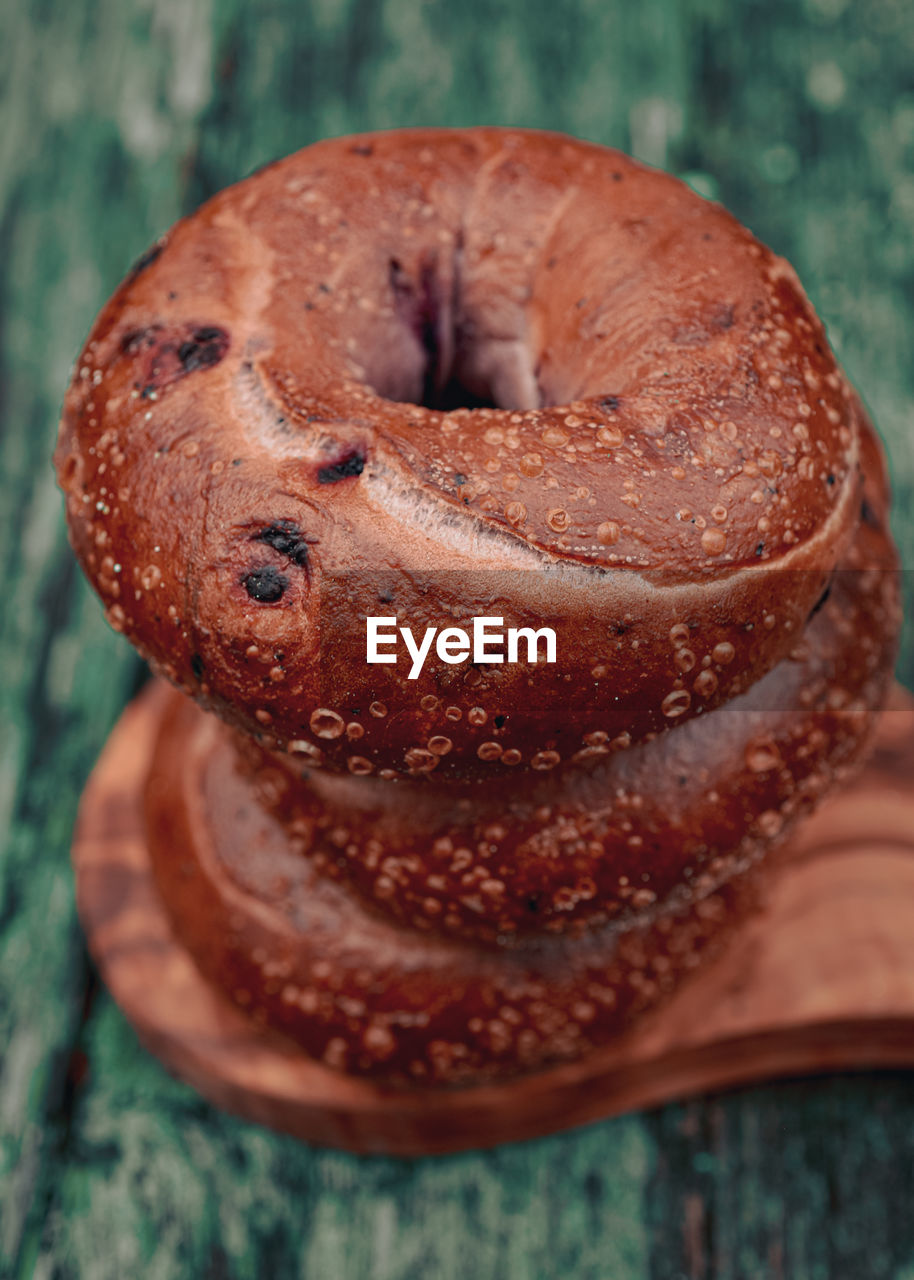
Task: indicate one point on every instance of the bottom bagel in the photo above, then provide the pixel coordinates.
(303, 955)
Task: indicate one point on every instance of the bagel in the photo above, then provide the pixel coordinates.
(433, 376)
(259, 449)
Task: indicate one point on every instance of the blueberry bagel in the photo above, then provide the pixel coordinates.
(442, 374)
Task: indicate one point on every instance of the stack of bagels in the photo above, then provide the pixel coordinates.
(433, 376)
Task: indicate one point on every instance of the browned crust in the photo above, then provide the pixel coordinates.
(698, 466)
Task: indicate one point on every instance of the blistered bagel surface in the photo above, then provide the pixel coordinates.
(260, 448)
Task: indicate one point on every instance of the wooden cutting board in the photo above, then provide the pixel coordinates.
(819, 976)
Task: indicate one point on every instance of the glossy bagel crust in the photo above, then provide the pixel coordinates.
(444, 934)
(259, 447)
(384, 973)
(444, 374)
(297, 953)
(622, 832)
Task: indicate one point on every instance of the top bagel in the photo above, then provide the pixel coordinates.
(439, 374)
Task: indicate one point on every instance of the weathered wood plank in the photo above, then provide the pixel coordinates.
(183, 1190)
(64, 675)
(808, 1179)
(116, 117)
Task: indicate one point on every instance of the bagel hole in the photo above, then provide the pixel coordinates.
(456, 395)
(442, 360)
(485, 374)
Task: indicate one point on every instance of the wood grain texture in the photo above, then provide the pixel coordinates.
(117, 116)
(817, 975)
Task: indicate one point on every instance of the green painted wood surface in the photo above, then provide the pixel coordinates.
(116, 116)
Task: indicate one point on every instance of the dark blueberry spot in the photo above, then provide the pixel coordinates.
(135, 339)
(610, 403)
(533, 902)
(236, 462)
(352, 465)
(617, 177)
(683, 779)
(204, 348)
(868, 515)
(362, 149)
(723, 319)
(829, 479)
(819, 603)
(172, 353)
(287, 538)
(580, 302)
(759, 548)
(459, 479)
(196, 666)
(325, 288)
(386, 596)
(265, 585)
(499, 722)
(145, 260)
(397, 277)
(551, 263)
(309, 306)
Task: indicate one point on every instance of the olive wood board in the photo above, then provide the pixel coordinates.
(819, 977)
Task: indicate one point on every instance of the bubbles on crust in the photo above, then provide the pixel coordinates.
(246, 410)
